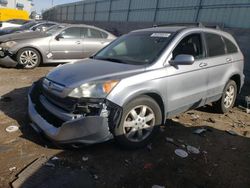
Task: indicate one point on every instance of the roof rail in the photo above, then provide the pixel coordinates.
(197, 24)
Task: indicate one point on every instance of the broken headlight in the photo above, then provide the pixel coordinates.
(8, 44)
(94, 90)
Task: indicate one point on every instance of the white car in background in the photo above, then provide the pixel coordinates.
(13, 23)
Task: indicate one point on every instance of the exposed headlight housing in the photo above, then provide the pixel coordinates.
(8, 44)
(94, 90)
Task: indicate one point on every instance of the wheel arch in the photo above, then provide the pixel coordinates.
(155, 96)
(32, 47)
(237, 79)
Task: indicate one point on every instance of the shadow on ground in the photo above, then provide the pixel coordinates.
(224, 160)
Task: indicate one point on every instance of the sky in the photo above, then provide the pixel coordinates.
(45, 4)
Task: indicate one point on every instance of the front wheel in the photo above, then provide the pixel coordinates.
(140, 120)
(228, 98)
(28, 58)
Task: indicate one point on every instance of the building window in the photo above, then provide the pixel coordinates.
(3, 2)
(20, 5)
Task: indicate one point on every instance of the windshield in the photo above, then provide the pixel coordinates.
(136, 48)
(28, 25)
(54, 29)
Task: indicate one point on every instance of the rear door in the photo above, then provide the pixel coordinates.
(93, 41)
(68, 45)
(219, 65)
(187, 84)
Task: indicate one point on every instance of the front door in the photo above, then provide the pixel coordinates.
(67, 45)
(187, 84)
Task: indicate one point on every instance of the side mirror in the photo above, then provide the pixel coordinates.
(58, 37)
(182, 60)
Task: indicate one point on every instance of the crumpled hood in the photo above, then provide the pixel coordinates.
(22, 36)
(72, 75)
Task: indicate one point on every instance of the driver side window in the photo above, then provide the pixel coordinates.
(190, 45)
(71, 33)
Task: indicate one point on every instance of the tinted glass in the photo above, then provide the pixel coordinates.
(95, 34)
(215, 45)
(231, 48)
(190, 45)
(72, 33)
(136, 48)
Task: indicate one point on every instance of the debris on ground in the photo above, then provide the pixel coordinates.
(54, 158)
(149, 147)
(148, 166)
(175, 120)
(48, 164)
(194, 117)
(85, 159)
(193, 150)
(231, 132)
(248, 104)
(12, 128)
(95, 177)
(158, 186)
(12, 169)
(5, 99)
(170, 140)
(211, 120)
(181, 153)
(200, 131)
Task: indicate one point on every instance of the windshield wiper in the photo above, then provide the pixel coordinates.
(110, 59)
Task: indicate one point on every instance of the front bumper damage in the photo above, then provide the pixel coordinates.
(83, 124)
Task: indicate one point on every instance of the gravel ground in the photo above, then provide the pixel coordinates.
(224, 159)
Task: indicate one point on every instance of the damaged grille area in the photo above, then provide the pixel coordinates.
(84, 106)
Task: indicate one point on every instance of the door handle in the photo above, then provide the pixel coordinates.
(229, 60)
(203, 64)
(102, 42)
(78, 42)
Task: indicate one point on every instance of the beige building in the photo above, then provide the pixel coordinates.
(17, 4)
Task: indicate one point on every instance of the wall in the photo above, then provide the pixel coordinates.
(231, 13)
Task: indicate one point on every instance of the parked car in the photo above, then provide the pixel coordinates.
(28, 27)
(59, 44)
(129, 88)
(13, 23)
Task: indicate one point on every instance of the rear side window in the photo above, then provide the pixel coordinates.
(93, 33)
(231, 48)
(215, 45)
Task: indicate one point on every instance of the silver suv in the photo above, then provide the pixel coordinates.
(133, 85)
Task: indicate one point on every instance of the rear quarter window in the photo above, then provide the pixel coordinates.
(231, 48)
(215, 45)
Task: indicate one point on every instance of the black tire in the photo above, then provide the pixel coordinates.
(33, 61)
(220, 105)
(152, 110)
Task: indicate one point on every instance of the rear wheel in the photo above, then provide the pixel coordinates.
(139, 122)
(28, 58)
(228, 98)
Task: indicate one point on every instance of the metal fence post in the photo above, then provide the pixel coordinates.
(74, 17)
(94, 10)
(198, 11)
(156, 9)
(83, 8)
(129, 6)
(110, 6)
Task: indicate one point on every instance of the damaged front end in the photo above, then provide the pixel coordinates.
(69, 120)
